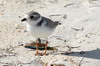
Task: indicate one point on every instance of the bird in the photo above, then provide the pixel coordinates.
(39, 27)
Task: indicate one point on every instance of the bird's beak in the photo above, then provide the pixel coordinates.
(24, 19)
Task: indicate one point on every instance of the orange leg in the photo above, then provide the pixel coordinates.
(45, 48)
(37, 48)
(37, 45)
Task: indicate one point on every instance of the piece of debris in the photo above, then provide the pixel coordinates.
(54, 15)
(57, 65)
(60, 63)
(30, 1)
(76, 29)
(69, 4)
(65, 16)
(87, 36)
(19, 16)
(81, 61)
(82, 52)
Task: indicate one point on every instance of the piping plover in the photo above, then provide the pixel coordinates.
(40, 27)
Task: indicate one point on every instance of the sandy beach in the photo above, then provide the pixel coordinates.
(77, 38)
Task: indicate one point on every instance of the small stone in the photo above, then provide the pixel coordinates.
(65, 16)
(65, 40)
(16, 27)
(24, 31)
(19, 16)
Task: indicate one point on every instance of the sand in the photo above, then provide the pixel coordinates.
(77, 39)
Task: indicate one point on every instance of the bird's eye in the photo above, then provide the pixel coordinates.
(31, 17)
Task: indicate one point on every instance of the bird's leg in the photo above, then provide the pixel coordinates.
(45, 48)
(38, 41)
(37, 48)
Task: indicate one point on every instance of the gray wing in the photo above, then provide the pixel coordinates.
(51, 24)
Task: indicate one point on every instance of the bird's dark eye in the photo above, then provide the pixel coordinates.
(31, 17)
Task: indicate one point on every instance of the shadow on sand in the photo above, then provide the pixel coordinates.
(94, 54)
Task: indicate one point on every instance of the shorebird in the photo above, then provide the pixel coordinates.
(40, 27)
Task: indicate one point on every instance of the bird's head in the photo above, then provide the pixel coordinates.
(32, 17)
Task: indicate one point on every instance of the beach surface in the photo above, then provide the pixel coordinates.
(77, 38)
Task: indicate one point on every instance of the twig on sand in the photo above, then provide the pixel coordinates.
(81, 61)
(7, 52)
(68, 4)
(76, 29)
(6, 63)
(54, 15)
(70, 48)
(13, 64)
(73, 62)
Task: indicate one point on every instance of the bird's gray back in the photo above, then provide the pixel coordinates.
(50, 24)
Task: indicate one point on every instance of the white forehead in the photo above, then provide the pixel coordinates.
(26, 15)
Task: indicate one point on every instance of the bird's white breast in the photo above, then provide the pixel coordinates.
(40, 31)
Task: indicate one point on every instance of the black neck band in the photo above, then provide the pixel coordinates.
(40, 23)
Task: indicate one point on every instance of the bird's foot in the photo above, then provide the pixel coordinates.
(45, 53)
(38, 54)
(41, 54)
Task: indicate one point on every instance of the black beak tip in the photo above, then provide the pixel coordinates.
(23, 19)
